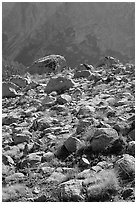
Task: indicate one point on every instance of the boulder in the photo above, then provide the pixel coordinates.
(62, 152)
(59, 84)
(131, 135)
(82, 73)
(48, 64)
(20, 138)
(126, 167)
(9, 119)
(102, 138)
(19, 81)
(7, 160)
(82, 67)
(70, 191)
(107, 61)
(48, 156)
(13, 151)
(14, 192)
(72, 144)
(31, 160)
(14, 177)
(131, 148)
(9, 90)
(85, 111)
(56, 177)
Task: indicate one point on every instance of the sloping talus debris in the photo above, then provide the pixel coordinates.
(69, 134)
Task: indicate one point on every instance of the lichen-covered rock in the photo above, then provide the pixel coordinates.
(59, 84)
(70, 191)
(48, 64)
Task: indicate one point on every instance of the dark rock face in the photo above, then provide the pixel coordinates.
(81, 31)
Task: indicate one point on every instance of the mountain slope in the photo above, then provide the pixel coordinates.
(79, 31)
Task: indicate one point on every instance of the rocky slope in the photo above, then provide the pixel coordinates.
(82, 32)
(69, 135)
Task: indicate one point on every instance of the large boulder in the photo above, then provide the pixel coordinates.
(48, 64)
(102, 138)
(9, 89)
(126, 167)
(59, 84)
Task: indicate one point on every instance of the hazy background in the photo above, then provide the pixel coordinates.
(81, 32)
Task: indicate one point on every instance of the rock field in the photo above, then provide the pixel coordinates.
(69, 134)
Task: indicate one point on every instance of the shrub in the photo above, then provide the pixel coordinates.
(103, 185)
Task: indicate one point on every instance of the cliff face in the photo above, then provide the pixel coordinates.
(82, 32)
